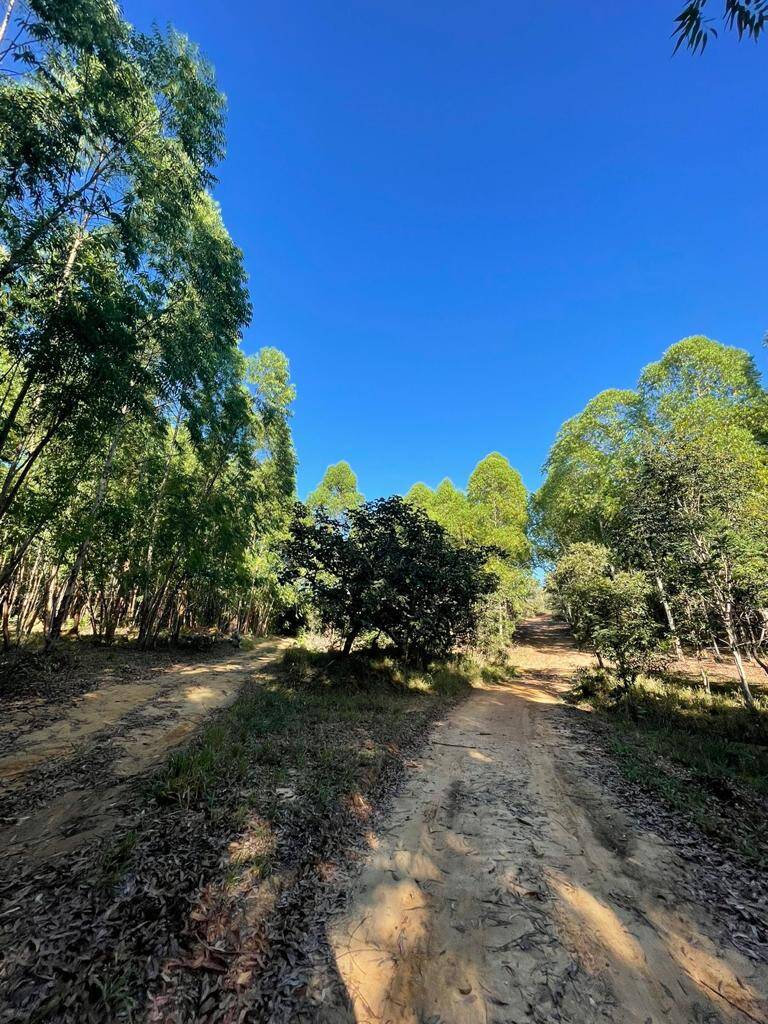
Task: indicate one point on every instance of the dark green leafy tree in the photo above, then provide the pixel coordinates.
(326, 567)
(391, 568)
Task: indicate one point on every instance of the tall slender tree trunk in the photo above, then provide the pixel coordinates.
(10, 420)
(348, 641)
(6, 19)
(62, 611)
(664, 598)
(733, 643)
(7, 599)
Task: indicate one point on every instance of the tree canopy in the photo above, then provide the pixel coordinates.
(671, 481)
(337, 492)
(143, 459)
(388, 567)
(493, 512)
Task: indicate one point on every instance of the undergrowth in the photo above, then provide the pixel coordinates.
(326, 722)
(705, 754)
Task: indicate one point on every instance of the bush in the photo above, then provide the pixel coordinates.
(387, 567)
(593, 686)
(610, 611)
(372, 670)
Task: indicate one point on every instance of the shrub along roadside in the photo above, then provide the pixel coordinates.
(706, 755)
(205, 896)
(386, 567)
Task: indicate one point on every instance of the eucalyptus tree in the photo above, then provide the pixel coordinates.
(671, 482)
(693, 29)
(492, 512)
(120, 286)
(570, 582)
(714, 390)
(421, 496)
(585, 474)
(498, 502)
(337, 492)
(699, 368)
(703, 489)
(145, 464)
(450, 508)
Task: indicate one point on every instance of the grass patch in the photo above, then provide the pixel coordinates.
(705, 754)
(228, 747)
(327, 724)
(116, 856)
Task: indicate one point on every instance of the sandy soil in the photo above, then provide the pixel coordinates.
(64, 773)
(508, 887)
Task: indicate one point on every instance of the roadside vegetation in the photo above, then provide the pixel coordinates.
(704, 754)
(653, 518)
(146, 464)
(492, 511)
(217, 873)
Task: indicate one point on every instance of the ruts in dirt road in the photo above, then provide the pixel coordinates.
(507, 887)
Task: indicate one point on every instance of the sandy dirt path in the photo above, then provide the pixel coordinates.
(506, 887)
(66, 780)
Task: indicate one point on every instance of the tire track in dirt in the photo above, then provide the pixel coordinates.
(508, 887)
(68, 780)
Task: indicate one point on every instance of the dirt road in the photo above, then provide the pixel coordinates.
(64, 769)
(507, 887)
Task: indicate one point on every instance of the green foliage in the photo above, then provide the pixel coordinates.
(703, 753)
(370, 670)
(337, 492)
(492, 512)
(312, 718)
(671, 481)
(610, 611)
(147, 466)
(389, 567)
(625, 632)
(585, 469)
(573, 583)
(592, 685)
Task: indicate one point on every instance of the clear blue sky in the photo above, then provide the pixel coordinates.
(462, 219)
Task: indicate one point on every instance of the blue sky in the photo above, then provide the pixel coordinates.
(461, 220)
